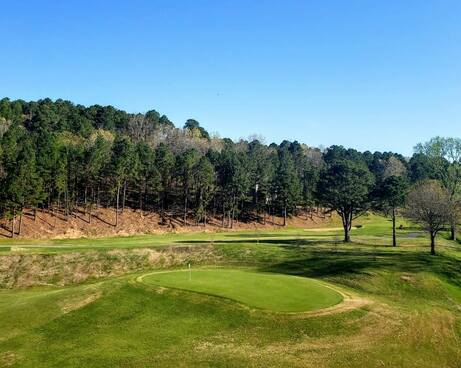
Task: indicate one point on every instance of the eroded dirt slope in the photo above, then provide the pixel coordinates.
(56, 225)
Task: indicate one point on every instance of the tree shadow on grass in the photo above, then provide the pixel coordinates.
(282, 235)
(320, 258)
(292, 243)
(325, 263)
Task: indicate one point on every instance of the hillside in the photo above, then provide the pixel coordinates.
(55, 225)
(59, 156)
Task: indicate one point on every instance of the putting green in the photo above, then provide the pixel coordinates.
(275, 292)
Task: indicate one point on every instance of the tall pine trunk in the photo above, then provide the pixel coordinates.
(13, 229)
(91, 205)
(97, 197)
(124, 196)
(200, 205)
(141, 194)
(66, 194)
(117, 205)
(185, 208)
(394, 237)
(49, 199)
(223, 215)
(233, 212)
(20, 222)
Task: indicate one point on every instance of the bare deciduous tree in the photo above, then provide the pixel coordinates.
(430, 206)
(445, 154)
(394, 167)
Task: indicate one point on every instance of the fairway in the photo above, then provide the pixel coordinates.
(395, 306)
(275, 292)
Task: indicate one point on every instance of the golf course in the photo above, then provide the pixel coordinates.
(272, 292)
(230, 184)
(288, 298)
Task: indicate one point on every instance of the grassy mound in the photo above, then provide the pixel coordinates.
(276, 292)
(413, 321)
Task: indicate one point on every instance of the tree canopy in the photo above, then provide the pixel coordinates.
(345, 186)
(429, 205)
(63, 157)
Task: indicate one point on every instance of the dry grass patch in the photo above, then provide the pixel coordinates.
(78, 301)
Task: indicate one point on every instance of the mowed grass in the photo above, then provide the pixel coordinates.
(130, 325)
(414, 319)
(275, 292)
(371, 228)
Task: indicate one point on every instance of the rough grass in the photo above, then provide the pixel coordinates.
(23, 270)
(414, 319)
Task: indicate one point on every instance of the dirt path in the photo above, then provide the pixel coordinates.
(349, 303)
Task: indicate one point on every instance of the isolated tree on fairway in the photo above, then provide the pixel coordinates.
(391, 195)
(429, 205)
(344, 187)
(445, 155)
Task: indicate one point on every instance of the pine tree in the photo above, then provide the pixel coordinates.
(122, 157)
(344, 187)
(205, 186)
(185, 170)
(287, 187)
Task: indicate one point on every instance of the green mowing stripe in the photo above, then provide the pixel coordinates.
(275, 292)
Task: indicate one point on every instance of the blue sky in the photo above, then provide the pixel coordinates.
(376, 75)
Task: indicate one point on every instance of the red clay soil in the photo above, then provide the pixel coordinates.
(130, 222)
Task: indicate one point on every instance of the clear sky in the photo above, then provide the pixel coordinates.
(376, 75)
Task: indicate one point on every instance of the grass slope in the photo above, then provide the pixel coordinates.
(414, 321)
(274, 292)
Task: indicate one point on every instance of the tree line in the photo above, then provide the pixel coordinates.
(61, 157)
